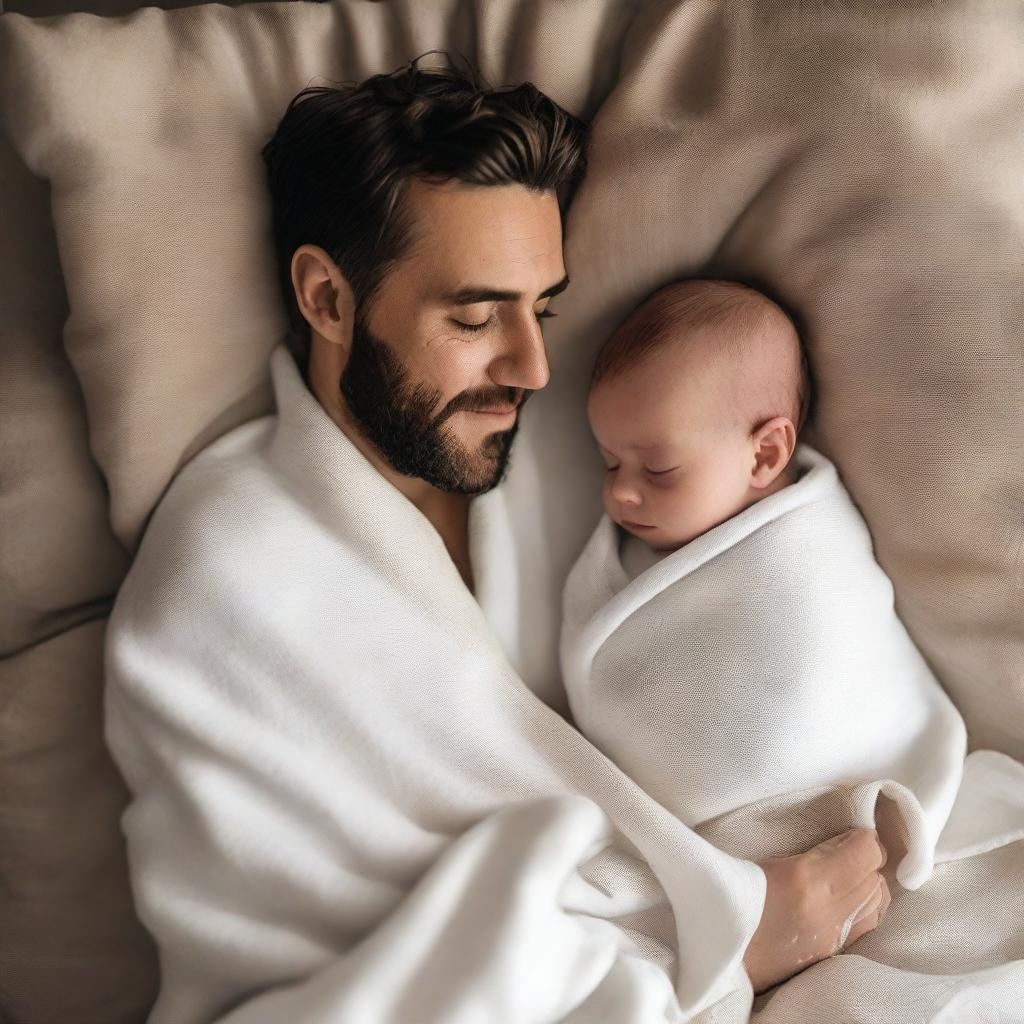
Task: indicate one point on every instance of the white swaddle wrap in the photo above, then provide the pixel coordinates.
(759, 684)
(764, 657)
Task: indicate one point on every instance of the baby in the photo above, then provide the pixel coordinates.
(728, 636)
(706, 420)
(731, 642)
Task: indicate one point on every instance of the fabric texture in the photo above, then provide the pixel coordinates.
(761, 668)
(307, 784)
(947, 952)
(863, 159)
(65, 902)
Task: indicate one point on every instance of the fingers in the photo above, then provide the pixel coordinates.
(849, 859)
(868, 920)
(866, 897)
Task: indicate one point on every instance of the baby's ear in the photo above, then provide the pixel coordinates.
(774, 443)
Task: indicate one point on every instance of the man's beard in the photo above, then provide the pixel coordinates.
(398, 420)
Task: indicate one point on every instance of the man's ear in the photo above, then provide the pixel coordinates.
(774, 442)
(323, 295)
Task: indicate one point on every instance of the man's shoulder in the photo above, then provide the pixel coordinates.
(214, 505)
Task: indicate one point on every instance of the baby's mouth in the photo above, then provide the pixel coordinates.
(634, 526)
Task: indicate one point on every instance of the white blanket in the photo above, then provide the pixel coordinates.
(763, 666)
(347, 804)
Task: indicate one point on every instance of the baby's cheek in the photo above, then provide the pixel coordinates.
(606, 493)
(671, 490)
(668, 499)
(691, 501)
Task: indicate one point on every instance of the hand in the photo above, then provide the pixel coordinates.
(817, 904)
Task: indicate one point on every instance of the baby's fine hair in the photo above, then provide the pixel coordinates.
(736, 308)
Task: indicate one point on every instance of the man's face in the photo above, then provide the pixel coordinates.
(417, 380)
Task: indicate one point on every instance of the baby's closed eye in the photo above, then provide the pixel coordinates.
(652, 472)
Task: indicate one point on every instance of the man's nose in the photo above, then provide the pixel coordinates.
(526, 363)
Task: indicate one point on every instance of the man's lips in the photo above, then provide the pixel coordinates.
(499, 411)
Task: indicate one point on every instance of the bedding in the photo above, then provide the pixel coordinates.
(65, 902)
(862, 159)
(407, 832)
(331, 813)
(949, 950)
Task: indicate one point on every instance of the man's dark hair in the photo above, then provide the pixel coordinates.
(340, 158)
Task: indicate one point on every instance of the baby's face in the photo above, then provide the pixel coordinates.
(675, 464)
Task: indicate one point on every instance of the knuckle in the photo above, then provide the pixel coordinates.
(868, 844)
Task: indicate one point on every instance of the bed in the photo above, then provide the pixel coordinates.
(861, 159)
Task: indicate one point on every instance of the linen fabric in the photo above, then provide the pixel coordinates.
(950, 951)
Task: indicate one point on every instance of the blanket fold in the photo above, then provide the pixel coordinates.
(347, 805)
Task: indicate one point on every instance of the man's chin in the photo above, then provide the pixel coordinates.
(458, 465)
(485, 468)
(485, 478)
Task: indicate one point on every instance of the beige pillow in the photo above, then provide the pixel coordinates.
(861, 161)
(70, 944)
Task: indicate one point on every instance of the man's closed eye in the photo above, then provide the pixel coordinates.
(490, 320)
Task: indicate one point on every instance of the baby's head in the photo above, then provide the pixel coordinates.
(697, 402)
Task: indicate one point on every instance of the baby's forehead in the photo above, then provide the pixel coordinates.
(624, 417)
(682, 375)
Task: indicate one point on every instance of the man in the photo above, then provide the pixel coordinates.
(348, 805)
(437, 356)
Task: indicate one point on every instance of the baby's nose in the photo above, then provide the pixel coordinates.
(625, 494)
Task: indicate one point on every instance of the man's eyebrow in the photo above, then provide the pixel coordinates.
(481, 293)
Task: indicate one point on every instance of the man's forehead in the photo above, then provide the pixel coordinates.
(501, 235)
(470, 221)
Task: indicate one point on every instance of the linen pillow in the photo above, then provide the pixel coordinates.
(66, 905)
